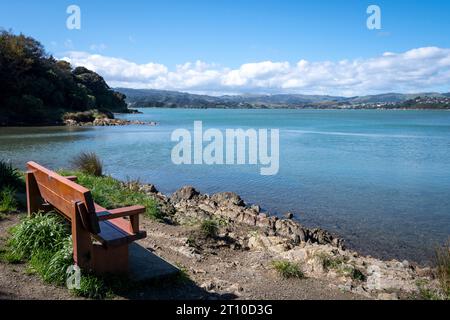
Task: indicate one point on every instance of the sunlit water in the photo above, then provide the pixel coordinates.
(380, 179)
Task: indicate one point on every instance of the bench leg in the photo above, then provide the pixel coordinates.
(82, 243)
(34, 200)
(110, 260)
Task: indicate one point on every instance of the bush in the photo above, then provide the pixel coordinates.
(288, 269)
(89, 163)
(42, 232)
(85, 116)
(209, 228)
(9, 176)
(340, 265)
(8, 202)
(45, 243)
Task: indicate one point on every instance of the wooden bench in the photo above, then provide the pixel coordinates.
(100, 236)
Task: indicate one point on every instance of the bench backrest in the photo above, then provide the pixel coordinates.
(62, 194)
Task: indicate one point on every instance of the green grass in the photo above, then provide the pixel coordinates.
(209, 228)
(425, 292)
(45, 244)
(42, 232)
(8, 201)
(11, 180)
(93, 287)
(111, 193)
(352, 272)
(287, 269)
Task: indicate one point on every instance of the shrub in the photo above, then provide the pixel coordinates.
(88, 116)
(89, 163)
(209, 228)
(42, 232)
(45, 243)
(352, 272)
(329, 262)
(85, 116)
(8, 202)
(288, 269)
(339, 264)
(9, 176)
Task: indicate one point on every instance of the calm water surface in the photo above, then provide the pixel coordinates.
(380, 179)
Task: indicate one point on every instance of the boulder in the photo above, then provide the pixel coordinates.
(227, 198)
(184, 194)
(289, 215)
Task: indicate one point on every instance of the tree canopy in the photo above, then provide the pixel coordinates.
(35, 88)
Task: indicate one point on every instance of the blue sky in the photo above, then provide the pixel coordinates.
(225, 35)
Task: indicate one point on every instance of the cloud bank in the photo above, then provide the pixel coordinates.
(417, 70)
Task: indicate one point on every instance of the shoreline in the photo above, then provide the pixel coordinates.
(321, 254)
(137, 122)
(296, 230)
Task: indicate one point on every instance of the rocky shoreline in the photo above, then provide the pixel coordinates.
(106, 122)
(320, 254)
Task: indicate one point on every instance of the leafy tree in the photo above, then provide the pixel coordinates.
(35, 88)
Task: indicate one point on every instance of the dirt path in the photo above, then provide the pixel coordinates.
(222, 273)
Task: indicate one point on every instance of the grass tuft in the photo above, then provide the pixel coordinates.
(9, 176)
(42, 232)
(43, 241)
(8, 202)
(287, 269)
(341, 266)
(209, 228)
(92, 287)
(88, 163)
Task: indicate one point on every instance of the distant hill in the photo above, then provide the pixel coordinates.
(141, 98)
(36, 89)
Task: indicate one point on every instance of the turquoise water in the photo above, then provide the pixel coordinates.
(380, 179)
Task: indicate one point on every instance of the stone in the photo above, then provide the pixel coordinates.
(387, 296)
(185, 193)
(289, 215)
(256, 208)
(228, 198)
(149, 188)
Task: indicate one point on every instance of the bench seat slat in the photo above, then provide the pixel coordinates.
(112, 235)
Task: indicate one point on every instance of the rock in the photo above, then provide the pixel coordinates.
(268, 243)
(256, 208)
(227, 198)
(406, 264)
(208, 285)
(235, 288)
(149, 188)
(185, 193)
(387, 296)
(289, 215)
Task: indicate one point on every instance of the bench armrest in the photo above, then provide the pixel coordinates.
(120, 213)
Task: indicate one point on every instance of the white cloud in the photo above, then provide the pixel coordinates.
(421, 69)
(98, 47)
